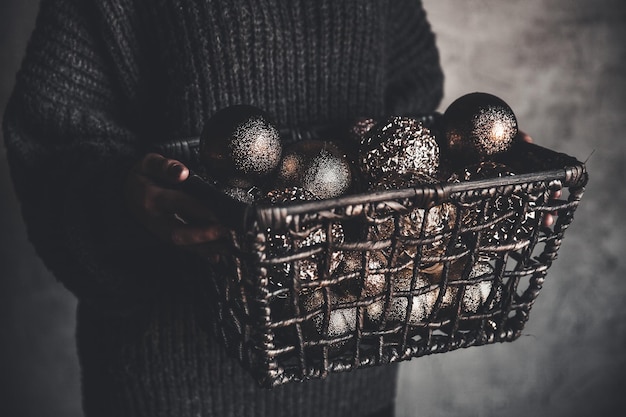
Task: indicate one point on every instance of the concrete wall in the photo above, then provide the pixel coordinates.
(559, 64)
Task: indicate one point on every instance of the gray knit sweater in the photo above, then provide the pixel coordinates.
(101, 82)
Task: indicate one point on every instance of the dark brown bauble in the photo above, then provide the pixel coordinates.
(359, 128)
(481, 171)
(240, 145)
(288, 195)
(478, 126)
(397, 180)
(317, 166)
(398, 144)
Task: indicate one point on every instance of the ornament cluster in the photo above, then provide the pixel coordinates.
(243, 153)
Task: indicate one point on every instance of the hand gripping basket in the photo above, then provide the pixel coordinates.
(380, 284)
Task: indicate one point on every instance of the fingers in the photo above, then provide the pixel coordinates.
(181, 204)
(548, 219)
(160, 168)
(523, 136)
(172, 215)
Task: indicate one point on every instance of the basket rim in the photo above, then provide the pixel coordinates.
(240, 215)
(571, 175)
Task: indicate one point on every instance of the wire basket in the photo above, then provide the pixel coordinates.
(378, 277)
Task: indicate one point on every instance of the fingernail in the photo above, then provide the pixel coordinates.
(175, 169)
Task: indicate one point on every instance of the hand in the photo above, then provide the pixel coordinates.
(548, 218)
(168, 213)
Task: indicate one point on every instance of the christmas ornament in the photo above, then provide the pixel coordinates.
(398, 145)
(287, 242)
(476, 293)
(437, 223)
(317, 166)
(479, 125)
(359, 128)
(246, 195)
(481, 171)
(422, 300)
(341, 319)
(398, 180)
(239, 145)
(288, 195)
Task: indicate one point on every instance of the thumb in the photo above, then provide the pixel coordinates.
(160, 168)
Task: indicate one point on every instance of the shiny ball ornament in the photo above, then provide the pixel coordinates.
(288, 195)
(478, 126)
(476, 293)
(246, 195)
(240, 145)
(341, 320)
(437, 222)
(398, 180)
(399, 144)
(481, 171)
(288, 242)
(422, 298)
(319, 167)
(359, 128)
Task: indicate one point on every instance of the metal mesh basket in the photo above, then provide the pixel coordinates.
(380, 277)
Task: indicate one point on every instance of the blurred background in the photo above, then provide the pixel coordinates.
(560, 65)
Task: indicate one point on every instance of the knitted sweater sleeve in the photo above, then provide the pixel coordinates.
(70, 142)
(415, 78)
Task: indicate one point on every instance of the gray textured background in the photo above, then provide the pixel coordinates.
(560, 65)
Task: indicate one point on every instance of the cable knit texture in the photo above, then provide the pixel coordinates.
(102, 81)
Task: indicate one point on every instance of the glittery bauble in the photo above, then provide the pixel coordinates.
(481, 171)
(239, 145)
(398, 180)
(479, 125)
(341, 320)
(476, 293)
(422, 300)
(288, 195)
(246, 195)
(287, 242)
(359, 128)
(317, 166)
(399, 144)
(437, 222)
(499, 222)
(375, 278)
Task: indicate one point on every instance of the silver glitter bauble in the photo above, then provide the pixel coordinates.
(422, 300)
(246, 195)
(477, 293)
(239, 145)
(341, 320)
(317, 166)
(399, 144)
(375, 276)
(479, 125)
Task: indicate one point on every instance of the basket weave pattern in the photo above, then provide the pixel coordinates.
(390, 286)
(266, 324)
